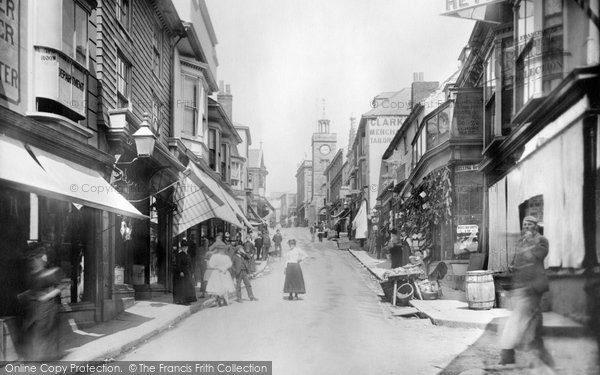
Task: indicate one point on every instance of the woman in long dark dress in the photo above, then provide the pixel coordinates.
(294, 280)
(40, 326)
(184, 290)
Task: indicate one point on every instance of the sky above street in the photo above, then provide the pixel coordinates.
(283, 57)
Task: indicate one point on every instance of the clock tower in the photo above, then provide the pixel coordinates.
(324, 147)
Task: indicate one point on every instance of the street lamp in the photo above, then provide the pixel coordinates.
(144, 138)
(144, 143)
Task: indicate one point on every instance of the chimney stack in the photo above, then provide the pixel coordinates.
(421, 89)
(226, 99)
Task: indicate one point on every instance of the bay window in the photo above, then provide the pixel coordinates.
(539, 60)
(212, 149)
(190, 105)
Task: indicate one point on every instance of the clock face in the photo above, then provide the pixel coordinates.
(325, 149)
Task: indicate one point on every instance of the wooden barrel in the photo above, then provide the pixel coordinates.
(481, 293)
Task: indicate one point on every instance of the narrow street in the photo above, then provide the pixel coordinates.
(339, 326)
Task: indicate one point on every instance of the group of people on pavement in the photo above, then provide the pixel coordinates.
(218, 265)
(224, 265)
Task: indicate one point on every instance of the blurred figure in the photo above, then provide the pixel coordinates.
(294, 280)
(201, 260)
(266, 245)
(524, 326)
(251, 251)
(40, 324)
(220, 283)
(241, 269)
(184, 289)
(313, 229)
(258, 245)
(320, 231)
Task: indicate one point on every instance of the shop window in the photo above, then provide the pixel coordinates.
(539, 60)
(123, 81)
(124, 14)
(62, 228)
(190, 105)
(468, 213)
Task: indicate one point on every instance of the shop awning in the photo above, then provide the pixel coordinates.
(256, 218)
(342, 214)
(193, 206)
(202, 180)
(493, 11)
(360, 221)
(199, 197)
(228, 204)
(34, 170)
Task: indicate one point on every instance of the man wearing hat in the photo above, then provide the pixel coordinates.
(523, 328)
(241, 268)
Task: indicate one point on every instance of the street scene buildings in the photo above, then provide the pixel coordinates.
(130, 182)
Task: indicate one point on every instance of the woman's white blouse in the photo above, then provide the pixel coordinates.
(295, 255)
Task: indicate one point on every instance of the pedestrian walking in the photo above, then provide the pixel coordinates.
(184, 290)
(40, 323)
(201, 260)
(241, 270)
(258, 244)
(251, 251)
(220, 283)
(523, 327)
(294, 280)
(313, 229)
(266, 245)
(320, 230)
(277, 239)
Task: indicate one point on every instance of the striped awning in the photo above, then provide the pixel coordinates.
(193, 206)
(199, 198)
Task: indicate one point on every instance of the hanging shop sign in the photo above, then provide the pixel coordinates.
(58, 78)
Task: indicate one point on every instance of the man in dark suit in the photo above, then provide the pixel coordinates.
(241, 268)
(258, 244)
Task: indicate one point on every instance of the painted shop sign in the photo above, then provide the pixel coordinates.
(10, 24)
(469, 228)
(59, 79)
(383, 128)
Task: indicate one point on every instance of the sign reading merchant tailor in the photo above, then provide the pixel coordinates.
(10, 45)
(380, 132)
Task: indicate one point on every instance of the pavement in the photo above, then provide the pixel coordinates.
(572, 348)
(453, 311)
(133, 327)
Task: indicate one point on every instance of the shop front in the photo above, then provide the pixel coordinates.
(72, 210)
